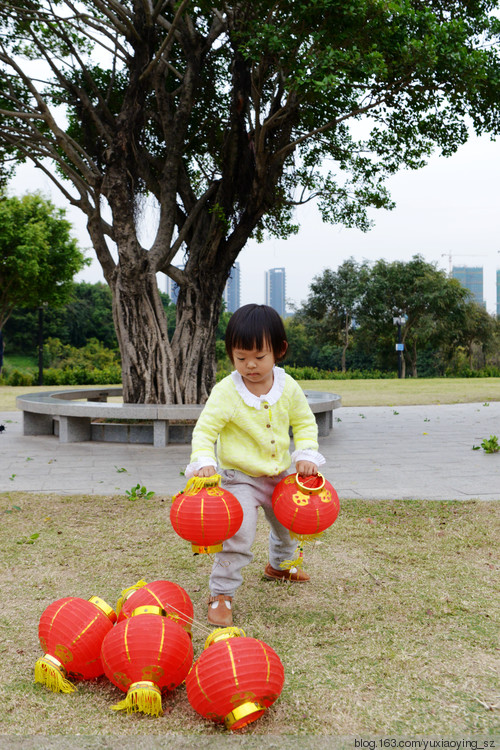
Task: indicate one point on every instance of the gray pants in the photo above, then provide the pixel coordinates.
(252, 492)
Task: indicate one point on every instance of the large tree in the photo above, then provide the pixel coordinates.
(229, 114)
(38, 255)
(433, 305)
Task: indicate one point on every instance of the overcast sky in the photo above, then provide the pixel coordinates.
(451, 208)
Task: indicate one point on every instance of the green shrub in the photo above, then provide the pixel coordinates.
(82, 376)
(466, 372)
(16, 377)
(93, 355)
(312, 373)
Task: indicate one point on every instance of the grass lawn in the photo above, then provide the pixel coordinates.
(410, 391)
(395, 635)
(391, 392)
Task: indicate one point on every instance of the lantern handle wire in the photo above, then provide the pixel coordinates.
(188, 620)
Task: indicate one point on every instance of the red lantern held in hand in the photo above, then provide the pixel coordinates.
(170, 597)
(235, 679)
(205, 514)
(71, 632)
(144, 655)
(306, 506)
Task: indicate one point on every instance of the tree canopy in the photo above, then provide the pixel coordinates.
(38, 256)
(229, 115)
(435, 309)
(334, 301)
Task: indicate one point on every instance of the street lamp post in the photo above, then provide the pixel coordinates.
(399, 321)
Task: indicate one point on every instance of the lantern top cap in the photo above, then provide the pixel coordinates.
(311, 484)
(222, 634)
(149, 609)
(104, 607)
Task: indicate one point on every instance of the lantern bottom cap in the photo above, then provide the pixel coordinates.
(200, 549)
(244, 714)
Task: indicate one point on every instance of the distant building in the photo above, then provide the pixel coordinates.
(471, 278)
(232, 289)
(276, 290)
(173, 288)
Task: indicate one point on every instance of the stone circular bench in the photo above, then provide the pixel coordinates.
(62, 413)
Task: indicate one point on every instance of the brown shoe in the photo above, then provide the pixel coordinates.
(220, 614)
(294, 575)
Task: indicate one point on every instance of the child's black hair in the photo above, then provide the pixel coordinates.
(254, 326)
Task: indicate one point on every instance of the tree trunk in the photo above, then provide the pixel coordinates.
(148, 368)
(193, 344)
(345, 343)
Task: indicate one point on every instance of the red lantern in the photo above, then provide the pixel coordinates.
(235, 680)
(205, 514)
(71, 632)
(170, 597)
(305, 505)
(144, 655)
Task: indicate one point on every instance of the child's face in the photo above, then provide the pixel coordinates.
(255, 367)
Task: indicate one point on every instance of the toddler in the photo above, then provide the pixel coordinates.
(249, 414)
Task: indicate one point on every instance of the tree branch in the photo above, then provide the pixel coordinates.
(166, 42)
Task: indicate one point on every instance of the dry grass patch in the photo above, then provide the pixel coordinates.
(396, 634)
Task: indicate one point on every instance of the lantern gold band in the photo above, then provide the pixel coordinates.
(310, 490)
(143, 684)
(200, 549)
(241, 712)
(104, 607)
(148, 609)
(222, 634)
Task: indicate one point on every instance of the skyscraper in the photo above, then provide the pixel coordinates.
(173, 288)
(276, 290)
(232, 289)
(498, 294)
(471, 278)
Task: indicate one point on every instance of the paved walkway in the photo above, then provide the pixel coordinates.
(421, 452)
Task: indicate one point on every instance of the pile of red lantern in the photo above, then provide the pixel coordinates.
(145, 649)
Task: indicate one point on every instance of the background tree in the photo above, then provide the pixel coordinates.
(229, 114)
(476, 333)
(334, 300)
(38, 256)
(432, 303)
(87, 315)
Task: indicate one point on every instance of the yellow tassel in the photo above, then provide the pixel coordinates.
(195, 484)
(50, 672)
(298, 562)
(289, 564)
(141, 696)
(126, 593)
(306, 537)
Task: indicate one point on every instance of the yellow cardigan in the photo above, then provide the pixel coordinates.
(252, 432)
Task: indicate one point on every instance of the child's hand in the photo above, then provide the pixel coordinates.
(306, 468)
(206, 471)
